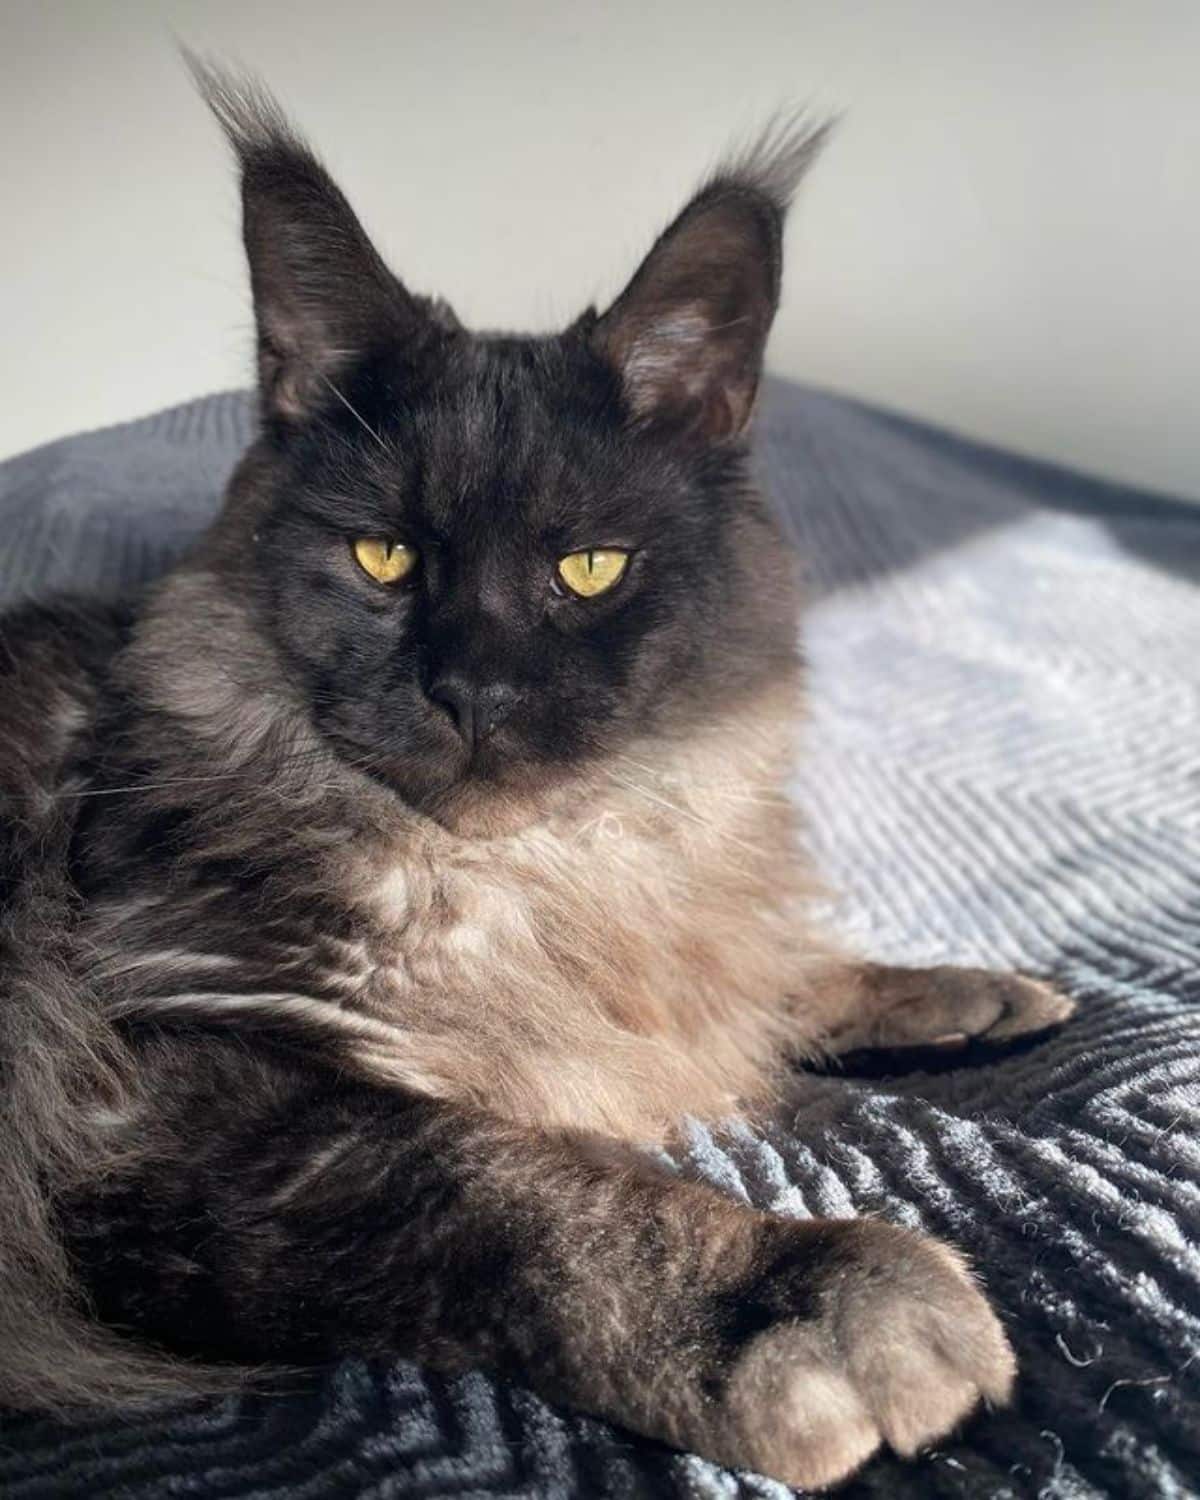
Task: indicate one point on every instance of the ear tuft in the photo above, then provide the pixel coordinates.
(777, 160)
(688, 334)
(248, 113)
(323, 297)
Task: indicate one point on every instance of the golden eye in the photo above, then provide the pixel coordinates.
(594, 571)
(384, 561)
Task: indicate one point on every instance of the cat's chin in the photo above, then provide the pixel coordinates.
(483, 810)
(495, 806)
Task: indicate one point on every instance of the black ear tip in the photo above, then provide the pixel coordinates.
(245, 109)
(775, 162)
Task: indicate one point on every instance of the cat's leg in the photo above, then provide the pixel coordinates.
(282, 1217)
(856, 1006)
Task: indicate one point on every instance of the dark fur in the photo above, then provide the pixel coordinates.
(248, 1120)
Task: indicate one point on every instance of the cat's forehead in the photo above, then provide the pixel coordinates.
(515, 436)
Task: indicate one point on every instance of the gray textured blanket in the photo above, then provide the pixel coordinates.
(1003, 768)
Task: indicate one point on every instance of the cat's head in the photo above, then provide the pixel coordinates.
(487, 560)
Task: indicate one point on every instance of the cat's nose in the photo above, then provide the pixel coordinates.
(476, 708)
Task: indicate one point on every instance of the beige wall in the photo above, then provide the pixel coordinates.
(1005, 236)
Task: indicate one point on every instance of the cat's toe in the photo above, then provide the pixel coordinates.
(947, 1008)
(1026, 1007)
(928, 1351)
(795, 1416)
(903, 1349)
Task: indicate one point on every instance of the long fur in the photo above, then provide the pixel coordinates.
(63, 1065)
(67, 1070)
(333, 1018)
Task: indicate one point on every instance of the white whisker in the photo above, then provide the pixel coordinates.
(687, 814)
(729, 791)
(354, 412)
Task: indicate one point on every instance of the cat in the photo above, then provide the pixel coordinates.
(378, 884)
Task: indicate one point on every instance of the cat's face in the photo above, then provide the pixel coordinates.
(488, 560)
(481, 660)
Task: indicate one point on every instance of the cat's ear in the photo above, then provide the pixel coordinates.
(687, 335)
(322, 295)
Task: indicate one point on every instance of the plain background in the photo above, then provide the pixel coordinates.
(1004, 237)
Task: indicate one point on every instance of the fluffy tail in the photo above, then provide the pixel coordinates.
(51, 1356)
(61, 1063)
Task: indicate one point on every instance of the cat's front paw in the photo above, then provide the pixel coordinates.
(947, 1007)
(889, 1341)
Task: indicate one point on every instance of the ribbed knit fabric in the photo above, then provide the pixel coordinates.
(1003, 767)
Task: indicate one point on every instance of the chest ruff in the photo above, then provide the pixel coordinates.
(615, 966)
(619, 961)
